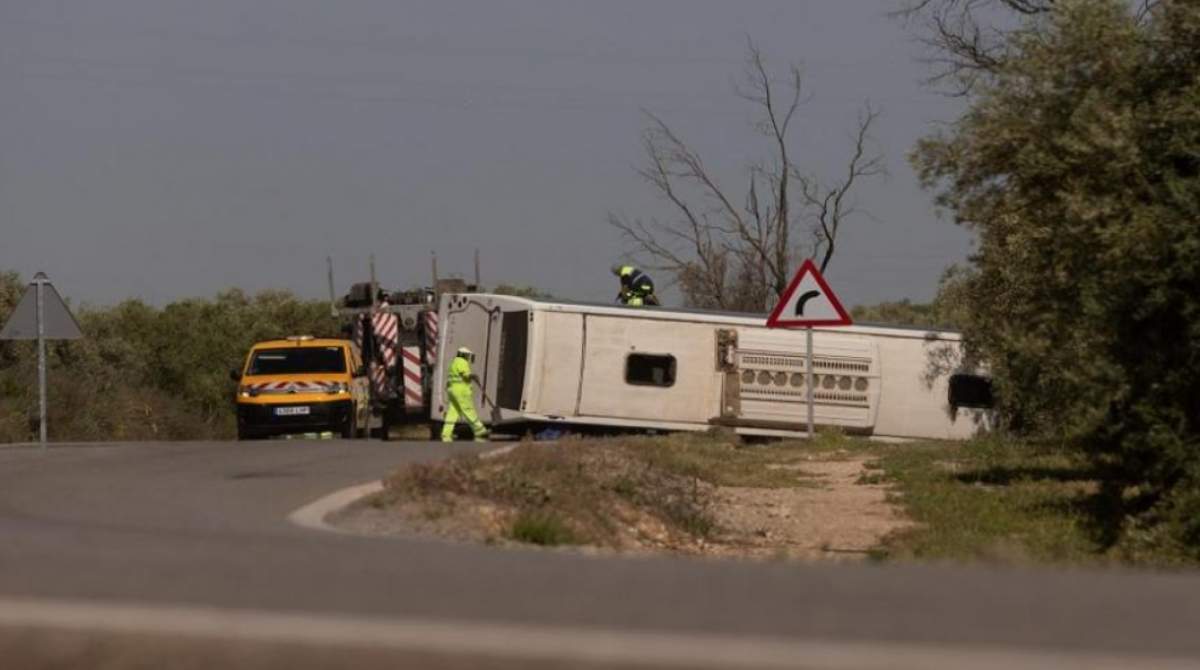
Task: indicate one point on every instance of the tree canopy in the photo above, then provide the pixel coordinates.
(1078, 166)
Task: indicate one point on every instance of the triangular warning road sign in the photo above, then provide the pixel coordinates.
(808, 301)
(58, 323)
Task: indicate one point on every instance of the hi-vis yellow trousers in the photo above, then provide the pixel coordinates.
(461, 402)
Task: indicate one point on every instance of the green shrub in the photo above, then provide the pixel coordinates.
(541, 528)
(142, 372)
(1076, 165)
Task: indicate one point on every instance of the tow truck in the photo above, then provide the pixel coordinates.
(396, 332)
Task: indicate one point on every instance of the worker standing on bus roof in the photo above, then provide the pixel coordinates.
(460, 400)
(637, 288)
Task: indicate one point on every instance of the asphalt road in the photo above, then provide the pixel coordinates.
(180, 535)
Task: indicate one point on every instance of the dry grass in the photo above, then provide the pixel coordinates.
(620, 493)
(985, 500)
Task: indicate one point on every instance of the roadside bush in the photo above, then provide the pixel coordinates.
(545, 529)
(1077, 165)
(143, 372)
(605, 492)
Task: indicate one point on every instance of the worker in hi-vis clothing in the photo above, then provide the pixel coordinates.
(460, 400)
(637, 288)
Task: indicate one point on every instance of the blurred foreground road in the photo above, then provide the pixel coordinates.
(181, 555)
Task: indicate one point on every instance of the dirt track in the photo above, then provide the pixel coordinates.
(838, 511)
(840, 517)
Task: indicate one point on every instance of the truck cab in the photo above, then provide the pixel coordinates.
(301, 384)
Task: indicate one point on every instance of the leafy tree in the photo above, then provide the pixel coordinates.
(1078, 165)
(11, 288)
(970, 41)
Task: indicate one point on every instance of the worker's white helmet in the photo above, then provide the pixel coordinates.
(463, 351)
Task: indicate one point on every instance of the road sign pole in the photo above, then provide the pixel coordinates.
(808, 371)
(41, 315)
(41, 347)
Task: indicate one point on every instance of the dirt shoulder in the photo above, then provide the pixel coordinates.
(686, 494)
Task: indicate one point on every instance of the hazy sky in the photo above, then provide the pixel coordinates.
(169, 148)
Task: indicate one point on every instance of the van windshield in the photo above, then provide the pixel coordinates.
(297, 360)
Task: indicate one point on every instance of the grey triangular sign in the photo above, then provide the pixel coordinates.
(59, 324)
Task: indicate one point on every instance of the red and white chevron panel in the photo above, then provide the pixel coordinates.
(431, 338)
(293, 387)
(410, 360)
(387, 335)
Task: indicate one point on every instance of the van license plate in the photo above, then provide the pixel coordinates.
(291, 411)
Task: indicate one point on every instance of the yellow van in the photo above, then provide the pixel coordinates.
(301, 385)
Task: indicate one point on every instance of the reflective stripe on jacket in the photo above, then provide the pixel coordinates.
(636, 280)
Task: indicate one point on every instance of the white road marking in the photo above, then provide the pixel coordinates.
(515, 642)
(499, 451)
(314, 514)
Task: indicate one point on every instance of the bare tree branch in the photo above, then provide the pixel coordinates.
(969, 40)
(829, 206)
(741, 257)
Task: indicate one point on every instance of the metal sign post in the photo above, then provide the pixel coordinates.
(41, 314)
(808, 301)
(808, 381)
(38, 282)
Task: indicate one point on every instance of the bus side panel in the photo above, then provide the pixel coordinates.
(694, 396)
(915, 400)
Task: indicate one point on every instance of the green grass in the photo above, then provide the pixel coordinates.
(541, 528)
(589, 491)
(984, 500)
(991, 500)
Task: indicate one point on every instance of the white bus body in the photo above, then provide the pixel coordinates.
(665, 369)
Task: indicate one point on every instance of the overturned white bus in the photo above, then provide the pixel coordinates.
(604, 366)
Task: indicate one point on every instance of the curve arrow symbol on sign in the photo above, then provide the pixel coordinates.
(808, 301)
(805, 297)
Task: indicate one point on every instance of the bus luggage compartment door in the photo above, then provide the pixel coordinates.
(771, 384)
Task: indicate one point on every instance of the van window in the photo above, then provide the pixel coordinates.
(971, 391)
(650, 369)
(297, 360)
